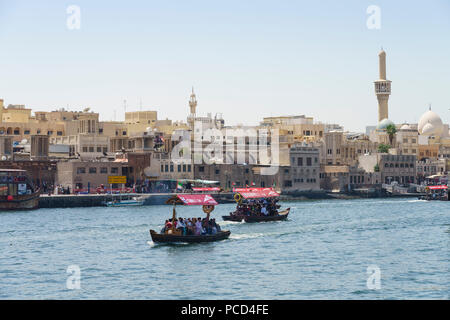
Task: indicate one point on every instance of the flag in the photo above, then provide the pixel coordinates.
(179, 186)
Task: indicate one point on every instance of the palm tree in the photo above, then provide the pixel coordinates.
(383, 148)
(391, 130)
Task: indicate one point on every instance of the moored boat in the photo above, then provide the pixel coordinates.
(126, 203)
(174, 235)
(16, 191)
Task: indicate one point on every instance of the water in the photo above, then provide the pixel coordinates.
(321, 252)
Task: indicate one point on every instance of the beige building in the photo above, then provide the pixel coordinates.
(84, 175)
(339, 149)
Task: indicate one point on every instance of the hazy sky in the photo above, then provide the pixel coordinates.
(246, 59)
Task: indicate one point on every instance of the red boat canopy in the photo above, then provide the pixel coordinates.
(438, 187)
(206, 189)
(197, 199)
(259, 193)
(251, 189)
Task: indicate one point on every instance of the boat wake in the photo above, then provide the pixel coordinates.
(226, 223)
(247, 236)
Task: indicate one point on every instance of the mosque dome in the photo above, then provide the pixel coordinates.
(430, 124)
(405, 126)
(384, 124)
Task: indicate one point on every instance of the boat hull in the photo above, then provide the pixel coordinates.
(169, 238)
(235, 218)
(22, 202)
(279, 217)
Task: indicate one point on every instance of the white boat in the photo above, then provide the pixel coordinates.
(126, 203)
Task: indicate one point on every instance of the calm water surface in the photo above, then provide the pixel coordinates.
(321, 252)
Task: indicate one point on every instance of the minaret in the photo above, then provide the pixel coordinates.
(193, 107)
(193, 102)
(382, 88)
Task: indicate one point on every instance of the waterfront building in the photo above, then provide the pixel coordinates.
(303, 174)
(334, 178)
(430, 167)
(237, 175)
(338, 148)
(86, 176)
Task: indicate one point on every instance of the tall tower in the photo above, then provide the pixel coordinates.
(193, 107)
(382, 88)
(193, 102)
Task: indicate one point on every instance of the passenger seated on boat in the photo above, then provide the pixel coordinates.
(189, 227)
(198, 227)
(264, 211)
(163, 230)
(216, 225)
(181, 225)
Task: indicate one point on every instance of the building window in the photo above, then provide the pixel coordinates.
(103, 170)
(179, 168)
(171, 168)
(166, 168)
(92, 170)
(99, 149)
(201, 169)
(85, 149)
(309, 161)
(49, 133)
(217, 171)
(59, 133)
(91, 149)
(105, 149)
(162, 168)
(114, 170)
(184, 168)
(26, 132)
(189, 168)
(124, 133)
(300, 162)
(81, 170)
(287, 183)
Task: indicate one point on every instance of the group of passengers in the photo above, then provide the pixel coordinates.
(193, 226)
(266, 207)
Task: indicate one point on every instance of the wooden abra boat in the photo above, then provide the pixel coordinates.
(277, 217)
(436, 193)
(170, 238)
(256, 193)
(282, 215)
(174, 235)
(16, 191)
